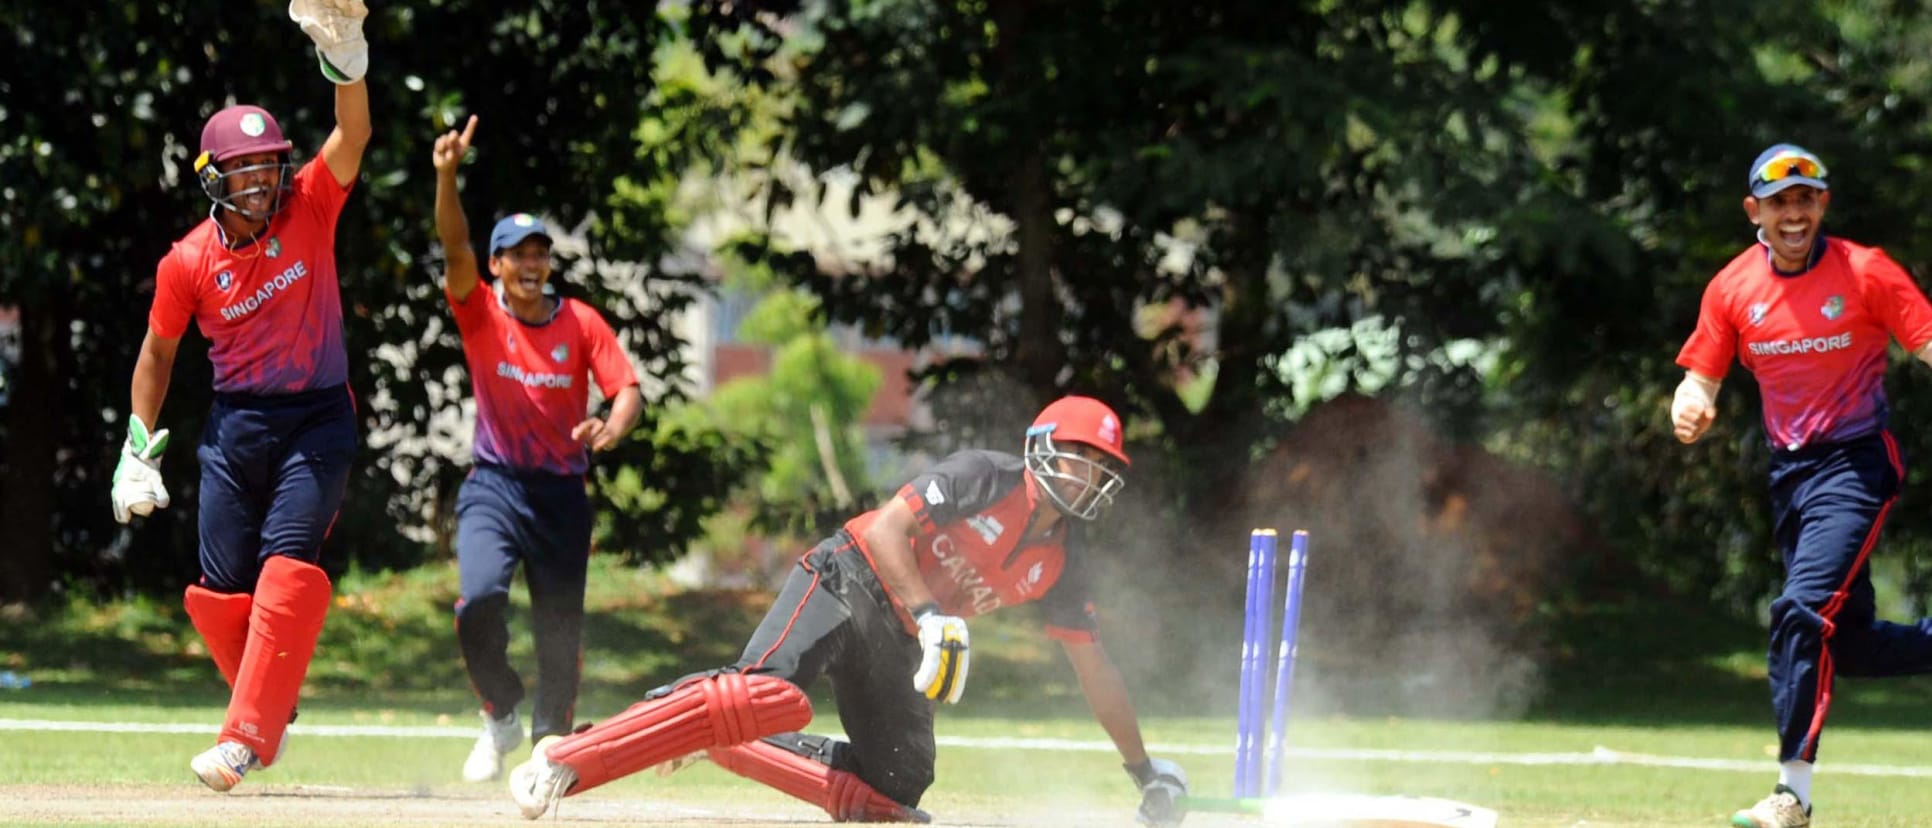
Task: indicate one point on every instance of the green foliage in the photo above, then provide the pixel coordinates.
(1548, 184)
(807, 412)
(95, 189)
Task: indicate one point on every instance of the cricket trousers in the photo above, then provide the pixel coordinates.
(832, 618)
(506, 517)
(1829, 503)
(274, 470)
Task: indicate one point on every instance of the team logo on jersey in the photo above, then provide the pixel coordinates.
(274, 247)
(1758, 310)
(560, 353)
(1834, 307)
(224, 279)
(1032, 579)
(988, 527)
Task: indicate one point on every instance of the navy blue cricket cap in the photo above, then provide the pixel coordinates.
(513, 229)
(1783, 166)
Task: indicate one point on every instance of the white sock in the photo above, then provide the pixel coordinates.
(1796, 775)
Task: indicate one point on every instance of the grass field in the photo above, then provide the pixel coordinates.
(386, 723)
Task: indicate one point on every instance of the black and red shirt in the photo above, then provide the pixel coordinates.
(973, 510)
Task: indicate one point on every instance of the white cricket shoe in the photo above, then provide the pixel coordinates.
(222, 767)
(1779, 810)
(499, 737)
(536, 785)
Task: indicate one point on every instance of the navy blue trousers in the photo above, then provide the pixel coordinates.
(274, 469)
(505, 517)
(1828, 504)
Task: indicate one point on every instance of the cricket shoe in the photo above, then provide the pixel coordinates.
(1779, 810)
(222, 767)
(499, 737)
(536, 785)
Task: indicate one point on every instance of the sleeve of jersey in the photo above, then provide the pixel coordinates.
(1712, 345)
(174, 303)
(1898, 301)
(1068, 607)
(608, 362)
(470, 311)
(319, 192)
(954, 488)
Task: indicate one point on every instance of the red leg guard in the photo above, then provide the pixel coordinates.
(222, 620)
(841, 793)
(710, 711)
(291, 600)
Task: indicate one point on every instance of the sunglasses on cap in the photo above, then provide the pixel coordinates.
(1788, 164)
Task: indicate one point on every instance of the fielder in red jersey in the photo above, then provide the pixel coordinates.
(258, 277)
(880, 608)
(531, 357)
(1813, 319)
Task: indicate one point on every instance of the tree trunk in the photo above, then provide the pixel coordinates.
(27, 496)
(1040, 354)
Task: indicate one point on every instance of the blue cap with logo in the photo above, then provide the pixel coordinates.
(513, 229)
(1783, 166)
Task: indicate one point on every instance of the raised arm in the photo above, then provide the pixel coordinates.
(343, 149)
(343, 55)
(460, 275)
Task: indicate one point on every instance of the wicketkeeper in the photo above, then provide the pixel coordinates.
(259, 279)
(881, 609)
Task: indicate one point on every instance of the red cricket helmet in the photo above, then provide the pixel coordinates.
(1085, 421)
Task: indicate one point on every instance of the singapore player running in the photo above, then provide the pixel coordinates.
(529, 353)
(259, 279)
(1811, 318)
(880, 608)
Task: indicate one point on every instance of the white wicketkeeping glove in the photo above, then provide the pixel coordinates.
(942, 668)
(1162, 785)
(137, 479)
(336, 28)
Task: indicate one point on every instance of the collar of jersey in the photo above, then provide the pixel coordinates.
(1817, 255)
(501, 302)
(221, 233)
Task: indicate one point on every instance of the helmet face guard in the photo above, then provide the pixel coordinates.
(1092, 484)
(214, 184)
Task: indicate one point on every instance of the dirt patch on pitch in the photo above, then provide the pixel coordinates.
(164, 805)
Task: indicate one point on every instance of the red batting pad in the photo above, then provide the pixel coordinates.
(222, 620)
(705, 712)
(291, 600)
(841, 793)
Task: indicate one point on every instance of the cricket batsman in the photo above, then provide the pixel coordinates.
(259, 278)
(881, 609)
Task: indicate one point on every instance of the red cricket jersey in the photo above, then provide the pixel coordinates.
(973, 508)
(530, 379)
(1815, 341)
(272, 310)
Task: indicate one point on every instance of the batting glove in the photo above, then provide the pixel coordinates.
(336, 28)
(1162, 785)
(942, 668)
(137, 486)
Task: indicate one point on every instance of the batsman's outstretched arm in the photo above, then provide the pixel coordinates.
(1106, 695)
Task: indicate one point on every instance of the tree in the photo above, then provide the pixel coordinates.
(1552, 182)
(95, 189)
